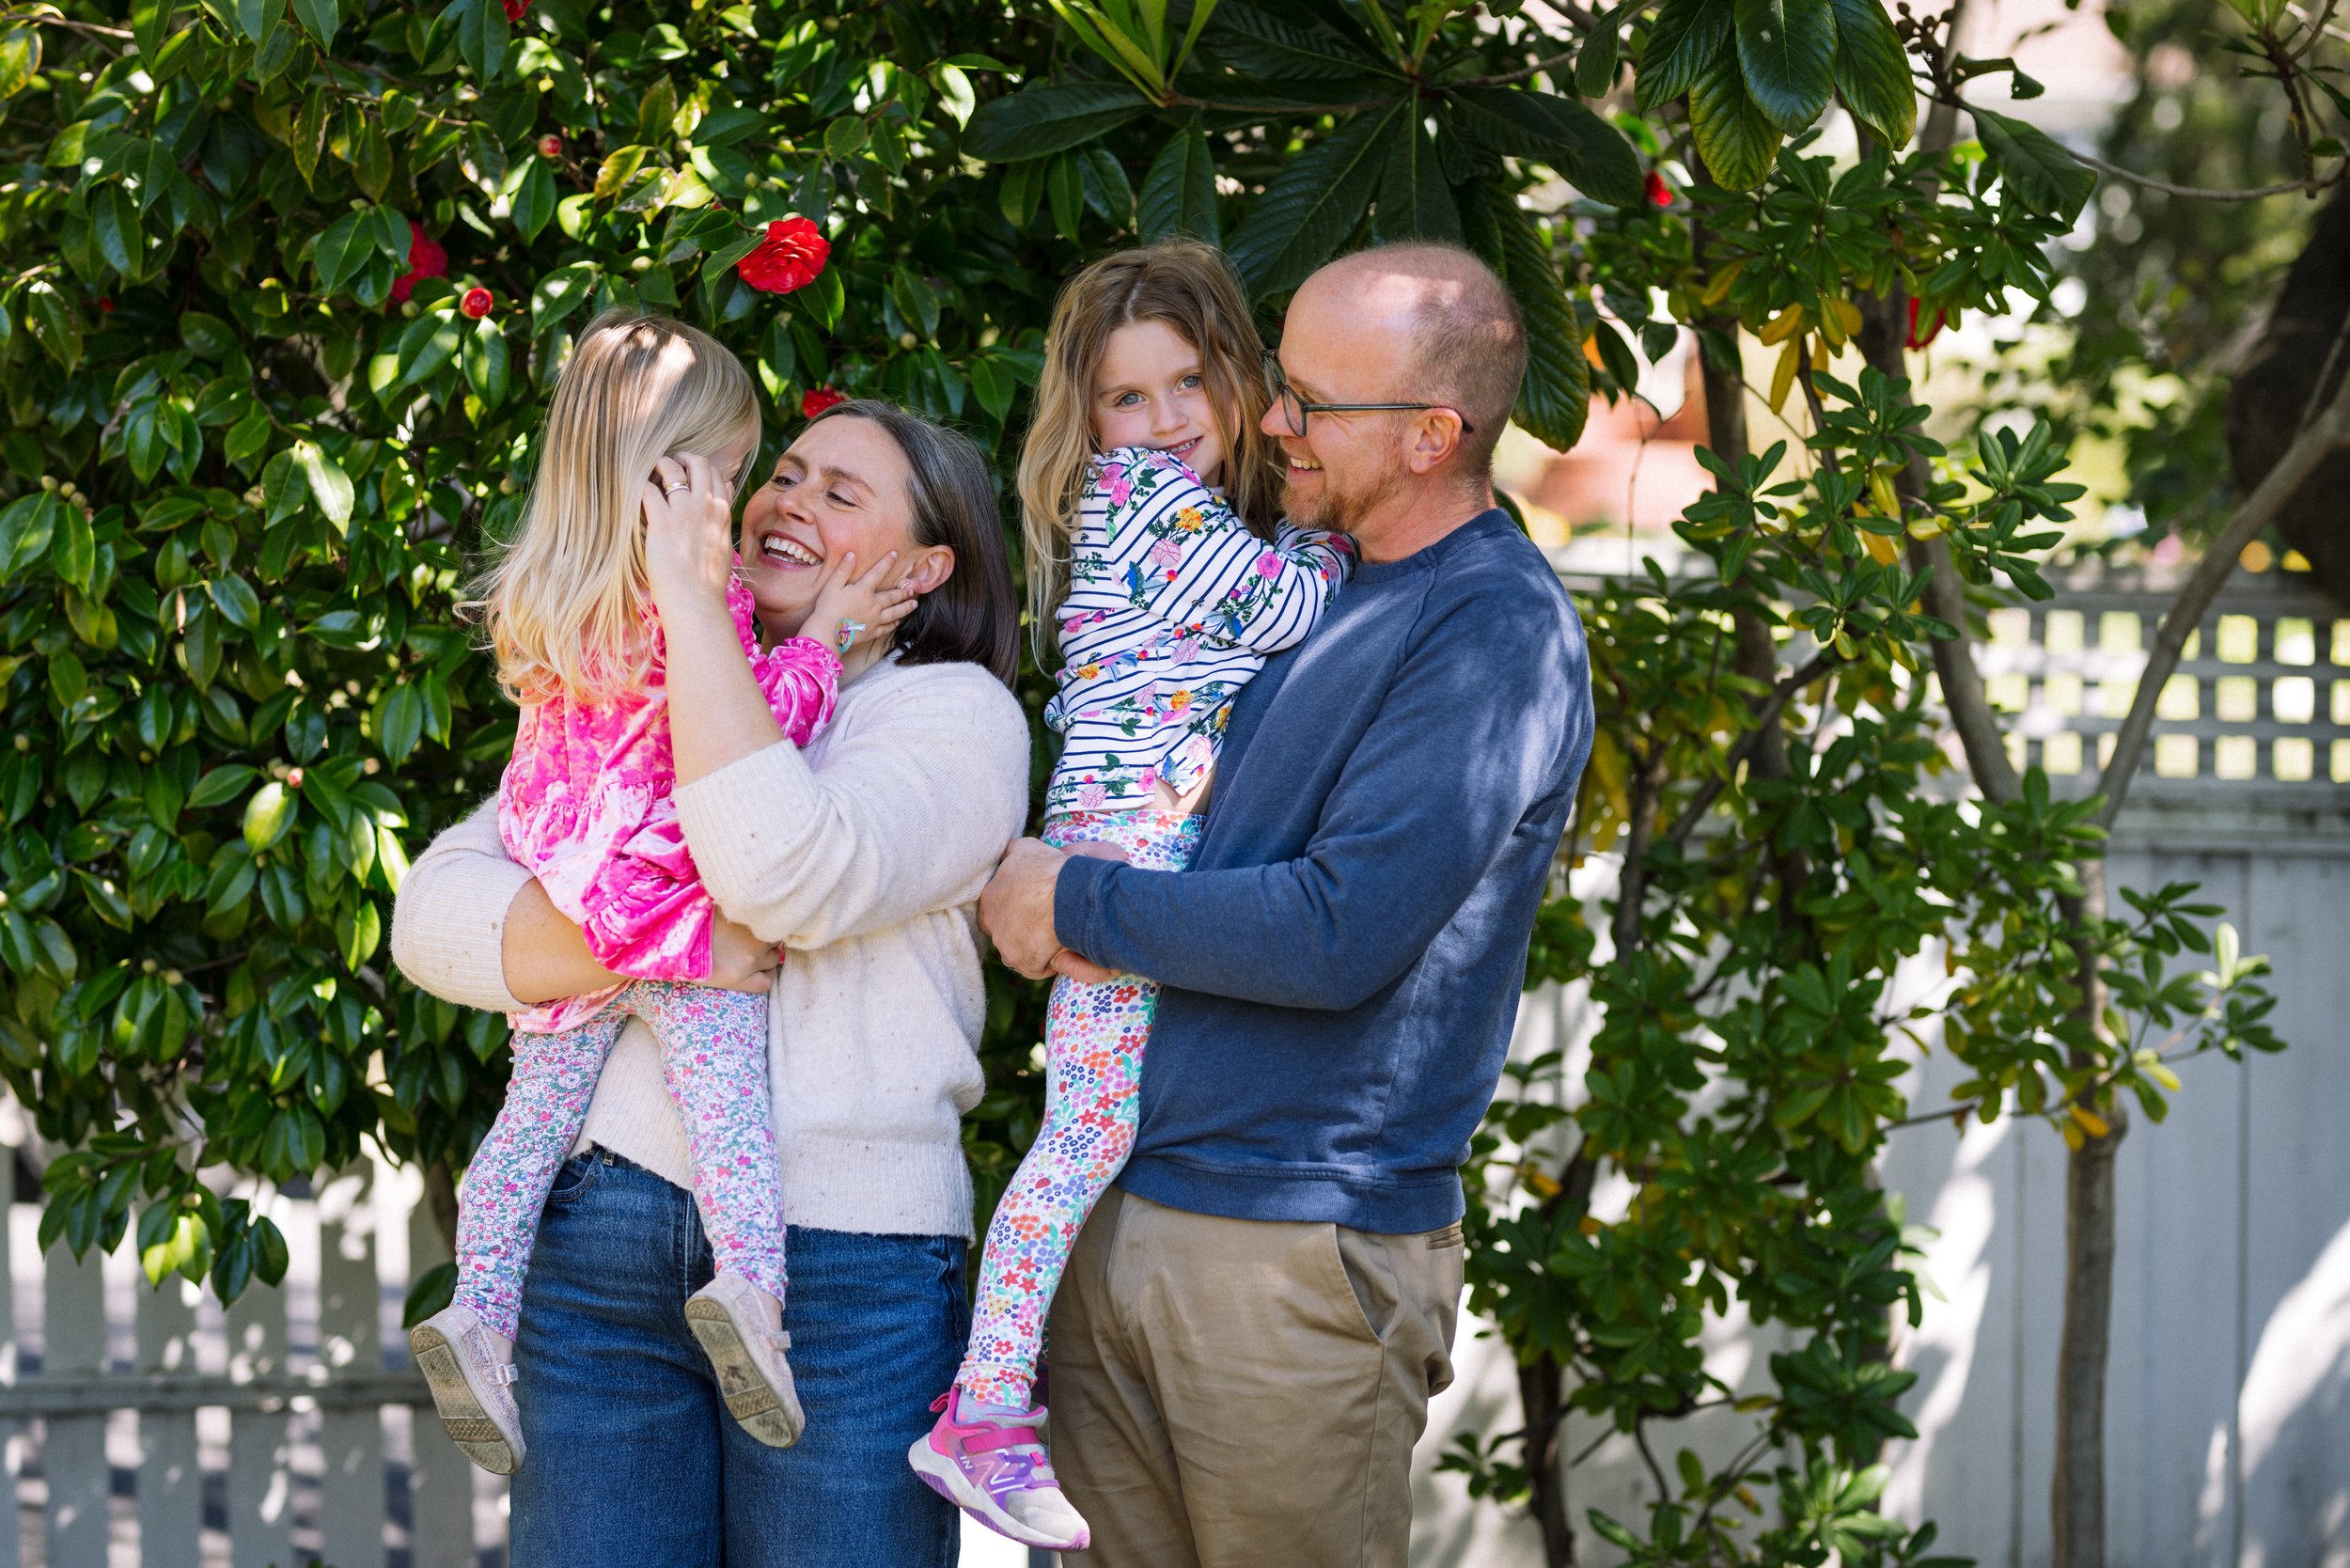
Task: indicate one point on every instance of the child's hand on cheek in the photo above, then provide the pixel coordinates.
(856, 614)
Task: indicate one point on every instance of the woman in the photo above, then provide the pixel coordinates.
(863, 855)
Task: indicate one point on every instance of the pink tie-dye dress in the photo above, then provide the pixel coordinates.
(584, 807)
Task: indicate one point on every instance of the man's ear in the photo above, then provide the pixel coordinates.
(1436, 437)
(930, 566)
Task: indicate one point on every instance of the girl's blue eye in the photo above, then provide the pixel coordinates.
(1193, 383)
(1126, 399)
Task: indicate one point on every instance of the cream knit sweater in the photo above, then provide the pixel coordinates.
(864, 856)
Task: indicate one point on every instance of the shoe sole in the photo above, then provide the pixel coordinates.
(751, 1400)
(469, 1425)
(943, 1476)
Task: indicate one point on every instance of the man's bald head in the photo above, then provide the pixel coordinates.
(1465, 337)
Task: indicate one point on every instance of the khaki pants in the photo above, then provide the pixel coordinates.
(1232, 1393)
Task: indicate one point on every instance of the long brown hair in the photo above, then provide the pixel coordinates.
(1188, 286)
(973, 616)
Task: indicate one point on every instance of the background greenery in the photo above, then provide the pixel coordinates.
(253, 447)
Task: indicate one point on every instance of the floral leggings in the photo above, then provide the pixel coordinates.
(1093, 1040)
(714, 1052)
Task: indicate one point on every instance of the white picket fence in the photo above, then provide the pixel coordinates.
(151, 1428)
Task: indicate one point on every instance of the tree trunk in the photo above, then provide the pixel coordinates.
(2077, 1492)
(1543, 1397)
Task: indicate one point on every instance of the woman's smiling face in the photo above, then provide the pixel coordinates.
(843, 488)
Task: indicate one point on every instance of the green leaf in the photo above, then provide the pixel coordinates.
(534, 200)
(268, 816)
(53, 323)
(1685, 40)
(1735, 138)
(1414, 200)
(1179, 190)
(481, 35)
(1787, 49)
(1587, 152)
(258, 19)
(486, 362)
(74, 550)
(236, 601)
(434, 1288)
(565, 288)
(114, 223)
(321, 18)
(330, 487)
(1555, 398)
(402, 725)
(345, 249)
(1312, 206)
(1038, 121)
(220, 786)
(2041, 175)
(19, 58)
(1274, 51)
(1595, 62)
(1872, 73)
(1064, 192)
(1106, 188)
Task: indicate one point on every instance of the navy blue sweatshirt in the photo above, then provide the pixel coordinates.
(1343, 959)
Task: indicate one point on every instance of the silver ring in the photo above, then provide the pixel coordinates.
(673, 489)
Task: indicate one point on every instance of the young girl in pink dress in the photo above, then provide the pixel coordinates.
(1154, 551)
(585, 807)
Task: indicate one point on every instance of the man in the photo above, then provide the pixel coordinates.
(1246, 1342)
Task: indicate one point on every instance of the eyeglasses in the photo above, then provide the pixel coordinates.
(1295, 409)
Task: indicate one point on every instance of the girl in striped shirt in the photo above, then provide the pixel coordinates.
(1152, 547)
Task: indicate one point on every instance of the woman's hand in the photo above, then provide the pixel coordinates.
(689, 536)
(855, 616)
(739, 960)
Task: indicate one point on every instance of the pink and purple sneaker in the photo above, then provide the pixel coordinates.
(994, 1469)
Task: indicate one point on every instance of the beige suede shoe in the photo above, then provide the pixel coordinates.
(740, 1329)
(470, 1368)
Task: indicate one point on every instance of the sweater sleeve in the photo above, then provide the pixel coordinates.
(1404, 837)
(1186, 556)
(448, 918)
(908, 813)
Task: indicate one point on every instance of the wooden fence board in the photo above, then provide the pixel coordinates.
(74, 1454)
(171, 1481)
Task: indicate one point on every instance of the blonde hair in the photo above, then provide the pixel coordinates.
(1188, 286)
(564, 605)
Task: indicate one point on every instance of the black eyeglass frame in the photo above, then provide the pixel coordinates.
(1278, 387)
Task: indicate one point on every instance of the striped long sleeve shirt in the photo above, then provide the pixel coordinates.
(1172, 606)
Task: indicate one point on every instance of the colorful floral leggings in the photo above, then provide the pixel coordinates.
(1093, 1040)
(714, 1052)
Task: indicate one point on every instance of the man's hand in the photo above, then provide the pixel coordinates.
(1016, 907)
(1016, 910)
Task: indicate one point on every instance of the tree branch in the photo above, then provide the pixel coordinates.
(2318, 441)
(1764, 717)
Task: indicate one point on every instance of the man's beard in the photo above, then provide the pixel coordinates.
(1339, 509)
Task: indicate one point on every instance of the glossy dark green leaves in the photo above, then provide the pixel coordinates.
(1313, 205)
(1178, 194)
(1036, 122)
(1787, 52)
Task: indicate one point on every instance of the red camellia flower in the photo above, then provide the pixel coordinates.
(425, 259)
(1659, 194)
(818, 399)
(1918, 339)
(106, 304)
(549, 146)
(477, 301)
(790, 257)
(515, 10)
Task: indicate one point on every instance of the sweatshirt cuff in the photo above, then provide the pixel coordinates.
(462, 960)
(1077, 902)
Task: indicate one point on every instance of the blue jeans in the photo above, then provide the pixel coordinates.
(633, 1460)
